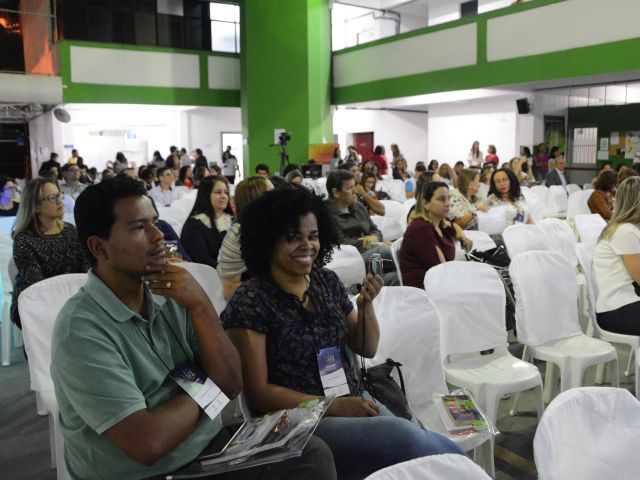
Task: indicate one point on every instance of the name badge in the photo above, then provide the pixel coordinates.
(201, 388)
(334, 380)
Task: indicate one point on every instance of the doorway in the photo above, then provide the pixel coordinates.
(364, 143)
(234, 140)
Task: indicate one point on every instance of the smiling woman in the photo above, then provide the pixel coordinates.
(293, 318)
(43, 245)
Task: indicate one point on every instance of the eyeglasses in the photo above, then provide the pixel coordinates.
(53, 198)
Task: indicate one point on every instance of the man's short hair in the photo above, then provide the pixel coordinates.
(94, 208)
(161, 171)
(262, 166)
(336, 179)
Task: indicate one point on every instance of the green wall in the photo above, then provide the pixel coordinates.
(609, 118)
(285, 70)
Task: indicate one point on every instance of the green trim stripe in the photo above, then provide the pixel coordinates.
(144, 48)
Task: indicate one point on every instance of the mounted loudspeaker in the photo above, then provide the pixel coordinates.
(523, 105)
(61, 115)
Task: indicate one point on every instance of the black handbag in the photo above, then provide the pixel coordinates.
(381, 385)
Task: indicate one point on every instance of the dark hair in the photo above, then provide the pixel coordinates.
(276, 213)
(514, 184)
(430, 167)
(379, 150)
(607, 180)
(347, 165)
(161, 171)
(459, 163)
(279, 182)
(367, 175)
(173, 148)
(423, 179)
(146, 175)
(553, 151)
(172, 162)
(420, 168)
(429, 190)
(183, 173)
(526, 152)
(262, 166)
(94, 208)
(198, 175)
(336, 179)
(288, 168)
(120, 157)
(203, 199)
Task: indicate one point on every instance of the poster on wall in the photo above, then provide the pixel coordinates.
(554, 132)
(604, 144)
(631, 145)
(322, 152)
(616, 144)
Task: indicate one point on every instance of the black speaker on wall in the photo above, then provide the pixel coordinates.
(523, 105)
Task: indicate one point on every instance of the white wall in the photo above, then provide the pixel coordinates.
(446, 11)
(205, 127)
(407, 129)
(453, 127)
(41, 140)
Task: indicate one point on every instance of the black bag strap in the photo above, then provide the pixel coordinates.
(397, 366)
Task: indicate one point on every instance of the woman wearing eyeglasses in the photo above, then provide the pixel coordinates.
(43, 245)
(8, 200)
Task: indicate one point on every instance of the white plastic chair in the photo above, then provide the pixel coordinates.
(547, 319)
(481, 240)
(588, 186)
(393, 209)
(557, 199)
(494, 221)
(406, 208)
(433, 467)
(396, 190)
(577, 204)
(584, 252)
(348, 265)
(390, 227)
(572, 187)
(470, 299)
(395, 254)
(590, 433)
(410, 334)
(210, 282)
(589, 227)
(524, 238)
(39, 306)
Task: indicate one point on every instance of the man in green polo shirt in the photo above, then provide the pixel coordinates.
(115, 342)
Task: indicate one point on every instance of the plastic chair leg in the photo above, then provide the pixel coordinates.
(540, 402)
(600, 374)
(52, 441)
(483, 456)
(39, 408)
(6, 334)
(615, 376)
(514, 408)
(632, 355)
(550, 380)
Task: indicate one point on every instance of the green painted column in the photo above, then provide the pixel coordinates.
(286, 70)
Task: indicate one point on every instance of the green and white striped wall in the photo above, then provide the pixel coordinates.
(113, 73)
(536, 41)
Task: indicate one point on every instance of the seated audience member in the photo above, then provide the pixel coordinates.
(429, 239)
(355, 224)
(215, 170)
(492, 156)
(625, 172)
(185, 177)
(433, 165)
(410, 183)
(121, 162)
(557, 176)
(294, 177)
(365, 190)
(287, 237)
(85, 176)
(601, 200)
(400, 171)
(458, 168)
(485, 182)
(518, 165)
(277, 182)
(199, 174)
(288, 168)
(505, 190)
(447, 175)
(116, 341)
(164, 193)
(106, 174)
(616, 264)
(541, 160)
(52, 163)
(43, 245)
(231, 266)
(208, 221)
(463, 204)
(367, 167)
(262, 170)
(424, 178)
(129, 172)
(149, 178)
(71, 185)
(8, 197)
(379, 159)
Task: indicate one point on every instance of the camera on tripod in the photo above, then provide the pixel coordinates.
(284, 138)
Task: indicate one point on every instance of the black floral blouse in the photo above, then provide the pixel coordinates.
(294, 335)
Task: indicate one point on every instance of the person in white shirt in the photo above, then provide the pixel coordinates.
(616, 264)
(165, 193)
(557, 176)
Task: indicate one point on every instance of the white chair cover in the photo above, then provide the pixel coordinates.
(395, 189)
(494, 221)
(572, 187)
(406, 208)
(348, 265)
(577, 204)
(393, 209)
(557, 199)
(395, 254)
(390, 227)
(466, 324)
(561, 238)
(589, 227)
(524, 238)
(481, 240)
(588, 186)
(434, 467)
(541, 316)
(210, 282)
(590, 433)
(6, 225)
(321, 186)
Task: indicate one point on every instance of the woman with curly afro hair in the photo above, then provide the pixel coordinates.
(294, 316)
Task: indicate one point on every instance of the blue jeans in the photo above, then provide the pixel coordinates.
(363, 445)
